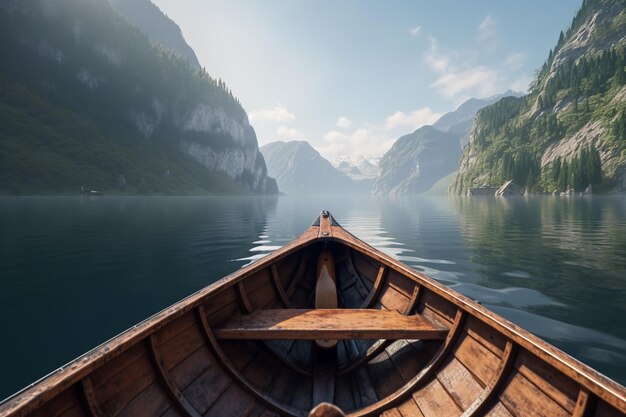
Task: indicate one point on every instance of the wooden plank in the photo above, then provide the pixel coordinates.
(460, 383)
(302, 398)
(344, 393)
(434, 401)
(392, 412)
(498, 410)
(478, 359)
(486, 336)
(385, 376)
(363, 387)
(278, 286)
(114, 395)
(365, 266)
(552, 382)
(192, 367)
(168, 385)
(491, 390)
(291, 289)
(409, 408)
(522, 398)
(205, 390)
(410, 360)
(117, 365)
(228, 367)
(176, 349)
(150, 402)
(393, 299)
(329, 324)
(363, 286)
(67, 401)
(324, 376)
(234, 402)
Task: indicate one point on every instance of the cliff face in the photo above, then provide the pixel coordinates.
(575, 115)
(417, 161)
(121, 111)
(300, 169)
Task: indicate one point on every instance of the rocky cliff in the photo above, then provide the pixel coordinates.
(300, 169)
(570, 130)
(88, 98)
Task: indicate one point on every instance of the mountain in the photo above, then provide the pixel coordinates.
(417, 161)
(359, 167)
(87, 99)
(460, 120)
(153, 22)
(300, 169)
(570, 130)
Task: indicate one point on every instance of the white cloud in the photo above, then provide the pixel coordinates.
(487, 28)
(460, 77)
(415, 31)
(371, 140)
(515, 60)
(413, 120)
(284, 132)
(344, 122)
(278, 114)
(435, 60)
(480, 80)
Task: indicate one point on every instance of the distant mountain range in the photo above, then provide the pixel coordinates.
(359, 167)
(88, 98)
(417, 161)
(300, 169)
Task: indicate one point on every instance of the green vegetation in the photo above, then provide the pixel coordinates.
(86, 98)
(511, 136)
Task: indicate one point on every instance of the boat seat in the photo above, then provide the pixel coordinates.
(333, 324)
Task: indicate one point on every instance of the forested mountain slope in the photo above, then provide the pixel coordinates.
(570, 130)
(87, 98)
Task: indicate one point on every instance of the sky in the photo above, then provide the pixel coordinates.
(351, 76)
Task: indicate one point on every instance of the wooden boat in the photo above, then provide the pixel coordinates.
(326, 319)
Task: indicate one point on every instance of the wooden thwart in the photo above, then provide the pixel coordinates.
(336, 324)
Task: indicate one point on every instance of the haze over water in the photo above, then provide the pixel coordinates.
(76, 271)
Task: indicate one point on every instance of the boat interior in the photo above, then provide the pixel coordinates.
(328, 320)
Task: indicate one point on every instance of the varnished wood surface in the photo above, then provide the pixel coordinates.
(177, 362)
(303, 324)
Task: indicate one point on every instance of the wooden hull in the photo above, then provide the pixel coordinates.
(188, 361)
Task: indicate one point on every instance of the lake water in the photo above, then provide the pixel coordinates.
(76, 271)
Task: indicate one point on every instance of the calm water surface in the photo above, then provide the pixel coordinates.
(76, 271)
